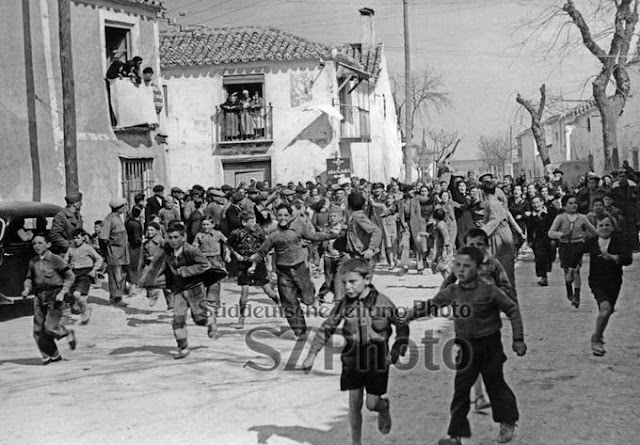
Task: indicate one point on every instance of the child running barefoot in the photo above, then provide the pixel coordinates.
(478, 337)
(608, 253)
(571, 228)
(367, 317)
(50, 279)
(85, 263)
(244, 242)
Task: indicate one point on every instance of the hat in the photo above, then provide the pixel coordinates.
(116, 203)
(336, 187)
(288, 192)
(300, 189)
(345, 181)
(592, 175)
(237, 197)
(73, 197)
(557, 170)
(176, 190)
(217, 193)
(158, 188)
(377, 185)
(485, 177)
(335, 209)
(252, 190)
(154, 224)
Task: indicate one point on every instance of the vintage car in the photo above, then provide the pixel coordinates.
(19, 221)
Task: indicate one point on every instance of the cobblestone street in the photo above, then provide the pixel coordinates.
(122, 386)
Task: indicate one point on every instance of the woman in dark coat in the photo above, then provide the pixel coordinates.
(231, 110)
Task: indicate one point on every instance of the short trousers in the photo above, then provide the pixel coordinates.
(608, 293)
(259, 278)
(365, 368)
(570, 255)
(82, 282)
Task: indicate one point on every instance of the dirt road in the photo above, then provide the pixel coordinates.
(122, 385)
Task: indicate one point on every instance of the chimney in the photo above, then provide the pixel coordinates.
(367, 30)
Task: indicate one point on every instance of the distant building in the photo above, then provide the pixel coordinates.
(293, 125)
(462, 166)
(113, 160)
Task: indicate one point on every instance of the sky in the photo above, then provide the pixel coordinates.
(474, 45)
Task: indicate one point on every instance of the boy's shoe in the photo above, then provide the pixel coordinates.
(55, 358)
(506, 432)
(86, 315)
(384, 418)
(71, 338)
(119, 303)
(482, 403)
(543, 281)
(182, 353)
(403, 270)
(153, 301)
(450, 441)
(597, 346)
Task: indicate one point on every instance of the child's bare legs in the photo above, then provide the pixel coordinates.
(568, 282)
(213, 298)
(605, 311)
(356, 398)
(85, 309)
(271, 293)
(244, 297)
(577, 284)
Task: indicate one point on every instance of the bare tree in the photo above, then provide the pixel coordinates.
(613, 67)
(536, 120)
(437, 146)
(428, 92)
(495, 151)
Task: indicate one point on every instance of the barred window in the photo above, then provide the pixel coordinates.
(137, 177)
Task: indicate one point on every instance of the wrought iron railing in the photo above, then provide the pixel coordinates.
(244, 125)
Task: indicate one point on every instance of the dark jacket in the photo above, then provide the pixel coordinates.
(152, 208)
(538, 227)
(606, 272)
(64, 223)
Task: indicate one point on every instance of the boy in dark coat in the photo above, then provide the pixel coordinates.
(538, 225)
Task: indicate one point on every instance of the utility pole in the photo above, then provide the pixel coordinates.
(511, 149)
(408, 102)
(68, 97)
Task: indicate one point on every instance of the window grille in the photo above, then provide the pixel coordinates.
(137, 177)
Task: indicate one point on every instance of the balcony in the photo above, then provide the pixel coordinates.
(356, 125)
(244, 131)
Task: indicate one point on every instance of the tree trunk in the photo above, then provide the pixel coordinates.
(610, 109)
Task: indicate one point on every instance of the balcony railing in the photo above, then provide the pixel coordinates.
(356, 124)
(245, 126)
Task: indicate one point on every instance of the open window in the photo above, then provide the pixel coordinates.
(117, 39)
(245, 115)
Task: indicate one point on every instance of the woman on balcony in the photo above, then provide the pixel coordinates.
(246, 118)
(257, 105)
(231, 114)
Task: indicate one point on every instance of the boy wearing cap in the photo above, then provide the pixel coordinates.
(332, 257)
(65, 223)
(152, 244)
(114, 237)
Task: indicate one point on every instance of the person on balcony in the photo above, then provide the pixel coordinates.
(231, 109)
(246, 118)
(257, 105)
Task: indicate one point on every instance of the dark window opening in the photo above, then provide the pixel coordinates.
(245, 115)
(137, 177)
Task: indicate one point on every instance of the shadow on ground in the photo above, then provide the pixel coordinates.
(31, 361)
(338, 433)
(160, 350)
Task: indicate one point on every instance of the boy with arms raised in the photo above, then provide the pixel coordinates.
(478, 337)
(367, 317)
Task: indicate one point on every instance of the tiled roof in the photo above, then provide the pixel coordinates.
(191, 46)
(370, 60)
(152, 4)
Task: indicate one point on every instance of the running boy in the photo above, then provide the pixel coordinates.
(152, 244)
(85, 262)
(211, 243)
(571, 228)
(294, 281)
(608, 253)
(367, 317)
(538, 225)
(332, 256)
(244, 242)
(185, 268)
(49, 278)
(479, 340)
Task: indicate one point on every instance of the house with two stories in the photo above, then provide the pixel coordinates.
(259, 103)
(114, 158)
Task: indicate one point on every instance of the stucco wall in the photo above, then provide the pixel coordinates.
(98, 147)
(302, 139)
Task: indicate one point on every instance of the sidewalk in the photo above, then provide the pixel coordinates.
(122, 385)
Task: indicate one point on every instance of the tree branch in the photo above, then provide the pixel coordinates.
(587, 38)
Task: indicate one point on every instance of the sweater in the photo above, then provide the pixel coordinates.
(485, 302)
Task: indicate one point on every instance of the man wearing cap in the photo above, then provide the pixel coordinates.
(625, 195)
(114, 236)
(557, 178)
(65, 222)
(248, 203)
(155, 203)
(215, 207)
(590, 193)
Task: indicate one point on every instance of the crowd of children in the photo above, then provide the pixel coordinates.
(253, 232)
